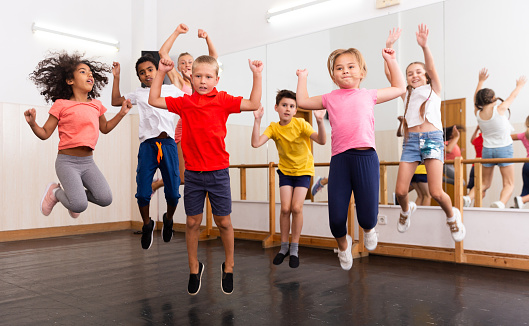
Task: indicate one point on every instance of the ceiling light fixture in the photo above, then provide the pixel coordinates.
(280, 11)
(37, 28)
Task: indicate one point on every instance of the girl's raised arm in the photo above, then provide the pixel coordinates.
(422, 40)
(302, 95)
(211, 48)
(483, 75)
(173, 75)
(520, 82)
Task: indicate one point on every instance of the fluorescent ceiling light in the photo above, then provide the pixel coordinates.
(35, 28)
(280, 11)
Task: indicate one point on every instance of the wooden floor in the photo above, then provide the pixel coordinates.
(107, 279)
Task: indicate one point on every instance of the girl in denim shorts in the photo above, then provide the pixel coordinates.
(423, 136)
(497, 142)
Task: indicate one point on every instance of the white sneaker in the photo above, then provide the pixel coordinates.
(346, 257)
(404, 221)
(370, 240)
(456, 226)
(497, 204)
(466, 201)
(518, 202)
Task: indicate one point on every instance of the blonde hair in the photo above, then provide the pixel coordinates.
(336, 53)
(206, 59)
(527, 126)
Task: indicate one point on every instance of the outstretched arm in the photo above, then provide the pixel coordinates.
(321, 136)
(483, 75)
(117, 99)
(46, 130)
(302, 95)
(520, 82)
(398, 86)
(258, 141)
(453, 141)
(474, 135)
(422, 40)
(173, 75)
(211, 48)
(107, 126)
(155, 98)
(394, 35)
(254, 102)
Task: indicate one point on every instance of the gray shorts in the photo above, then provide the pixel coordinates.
(214, 183)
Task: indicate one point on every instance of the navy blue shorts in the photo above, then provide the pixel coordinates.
(470, 184)
(419, 178)
(147, 165)
(214, 183)
(293, 180)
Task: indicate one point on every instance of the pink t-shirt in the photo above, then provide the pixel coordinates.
(525, 142)
(352, 118)
(78, 122)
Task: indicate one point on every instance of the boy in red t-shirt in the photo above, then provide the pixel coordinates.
(204, 115)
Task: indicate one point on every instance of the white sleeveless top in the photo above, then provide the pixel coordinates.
(496, 131)
(432, 109)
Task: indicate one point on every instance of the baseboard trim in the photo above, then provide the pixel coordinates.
(61, 231)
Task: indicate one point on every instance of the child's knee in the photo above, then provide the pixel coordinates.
(223, 221)
(79, 206)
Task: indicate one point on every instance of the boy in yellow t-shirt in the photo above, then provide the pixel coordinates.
(296, 165)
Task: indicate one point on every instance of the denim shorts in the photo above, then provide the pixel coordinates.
(214, 183)
(498, 152)
(423, 145)
(293, 180)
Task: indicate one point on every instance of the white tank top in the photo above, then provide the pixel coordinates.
(496, 131)
(432, 109)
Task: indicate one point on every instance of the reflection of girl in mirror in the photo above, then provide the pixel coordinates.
(423, 136)
(452, 151)
(519, 201)
(497, 142)
(354, 164)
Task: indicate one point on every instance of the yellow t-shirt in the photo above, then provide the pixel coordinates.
(421, 169)
(293, 145)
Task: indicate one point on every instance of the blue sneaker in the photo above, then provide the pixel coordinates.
(317, 186)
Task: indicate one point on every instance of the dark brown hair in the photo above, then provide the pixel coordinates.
(285, 93)
(51, 75)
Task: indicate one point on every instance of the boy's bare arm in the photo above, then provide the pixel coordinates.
(258, 141)
(117, 99)
(254, 102)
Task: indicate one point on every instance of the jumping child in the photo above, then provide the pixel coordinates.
(354, 164)
(72, 84)
(296, 165)
(423, 136)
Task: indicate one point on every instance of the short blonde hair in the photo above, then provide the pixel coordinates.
(207, 60)
(336, 53)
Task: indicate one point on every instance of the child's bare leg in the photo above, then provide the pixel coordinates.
(181, 162)
(285, 195)
(434, 170)
(226, 234)
(298, 198)
(157, 185)
(507, 173)
(404, 175)
(192, 234)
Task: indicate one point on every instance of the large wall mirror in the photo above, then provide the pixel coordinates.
(464, 36)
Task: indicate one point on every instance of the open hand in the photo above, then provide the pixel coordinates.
(483, 74)
(521, 81)
(394, 35)
(422, 35)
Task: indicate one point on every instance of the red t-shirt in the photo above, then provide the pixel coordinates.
(78, 122)
(478, 145)
(204, 128)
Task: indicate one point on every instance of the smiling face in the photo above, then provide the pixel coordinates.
(146, 72)
(82, 79)
(286, 109)
(347, 71)
(416, 75)
(185, 62)
(204, 78)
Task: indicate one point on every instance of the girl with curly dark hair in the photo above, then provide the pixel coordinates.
(72, 84)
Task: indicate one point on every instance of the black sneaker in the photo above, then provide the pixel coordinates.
(293, 262)
(167, 229)
(226, 281)
(195, 280)
(278, 259)
(146, 236)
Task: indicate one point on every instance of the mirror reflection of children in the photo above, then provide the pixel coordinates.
(423, 136)
(73, 83)
(477, 141)
(296, 165)
(204, 115)
(354, 166)
(452, 151)
(497, 142)
(318, 185)
(523, 198)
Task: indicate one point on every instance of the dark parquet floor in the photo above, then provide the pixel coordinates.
(107, 279)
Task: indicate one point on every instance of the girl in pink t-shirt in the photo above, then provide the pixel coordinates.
(423, 136)
(519, 201)
(354, 164)
(72, 84)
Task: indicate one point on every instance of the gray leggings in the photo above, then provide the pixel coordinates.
(75, 174)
